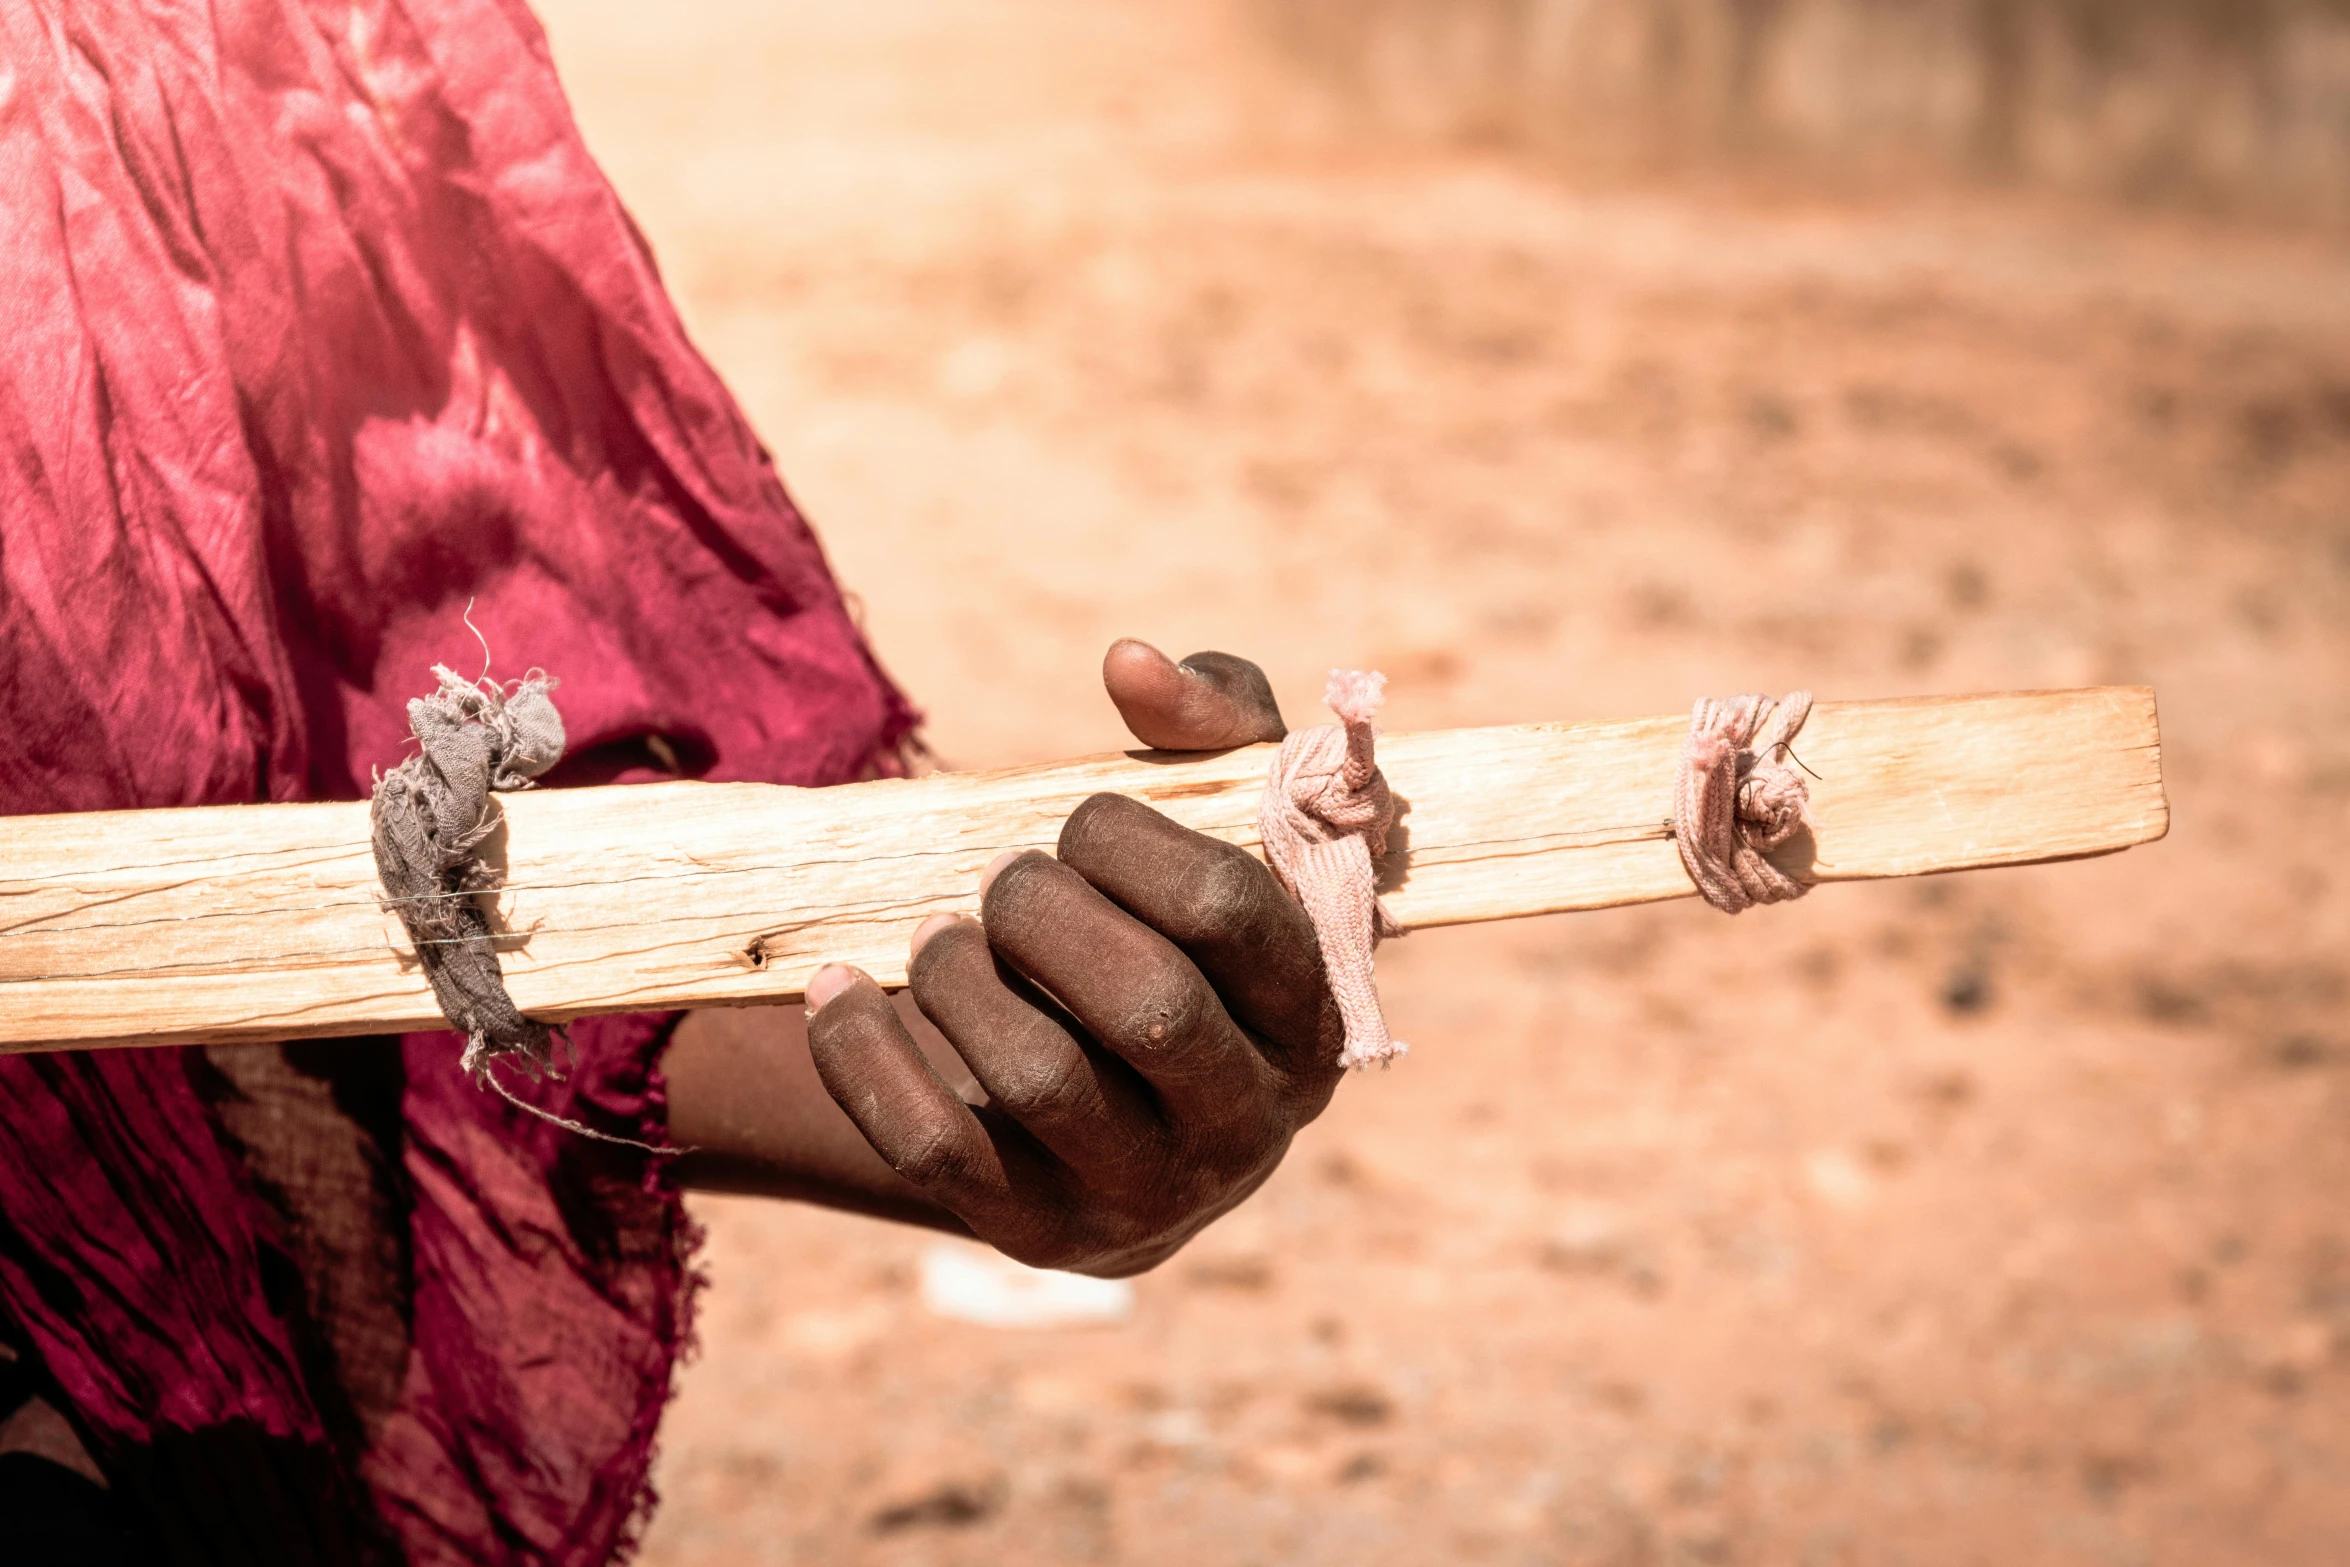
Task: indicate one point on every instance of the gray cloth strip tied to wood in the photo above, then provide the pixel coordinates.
(430, 816)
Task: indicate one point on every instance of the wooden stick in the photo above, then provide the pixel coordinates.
(264, 921)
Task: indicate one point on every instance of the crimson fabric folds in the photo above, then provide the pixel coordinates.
(317, 321)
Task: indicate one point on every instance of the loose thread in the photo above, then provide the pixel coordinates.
(484, 1074)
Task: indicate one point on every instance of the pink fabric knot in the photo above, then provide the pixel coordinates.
(1324, 822)
(1736, 800)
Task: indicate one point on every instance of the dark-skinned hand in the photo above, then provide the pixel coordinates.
(1144, 1009)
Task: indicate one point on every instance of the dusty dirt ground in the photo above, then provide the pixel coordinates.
(2002, 1218)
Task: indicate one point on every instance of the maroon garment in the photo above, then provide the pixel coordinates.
(319, 321)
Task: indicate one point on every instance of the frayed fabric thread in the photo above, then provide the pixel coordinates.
(1738, 796)
(429, 818)
(1324, 821)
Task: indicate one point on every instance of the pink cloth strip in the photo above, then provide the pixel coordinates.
(1736, 800)
(1324, 822)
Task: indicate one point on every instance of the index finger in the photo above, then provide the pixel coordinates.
(1219, 903)
(1131, 989)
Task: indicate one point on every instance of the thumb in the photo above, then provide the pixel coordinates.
(1209, 702)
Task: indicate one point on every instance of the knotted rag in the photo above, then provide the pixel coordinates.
(1738, 796)
(1324, 821)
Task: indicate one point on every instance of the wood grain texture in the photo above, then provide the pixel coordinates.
(263, 921)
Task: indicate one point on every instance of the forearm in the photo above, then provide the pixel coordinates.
(744, 1096)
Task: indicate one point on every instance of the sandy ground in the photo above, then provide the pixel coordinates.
(1991, 1219)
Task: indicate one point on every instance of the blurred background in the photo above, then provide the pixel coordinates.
(1569, 358)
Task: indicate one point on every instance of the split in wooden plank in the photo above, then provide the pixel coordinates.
(266, 922)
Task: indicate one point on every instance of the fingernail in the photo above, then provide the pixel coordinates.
(995, 868)
(828, 982)
(931, 927)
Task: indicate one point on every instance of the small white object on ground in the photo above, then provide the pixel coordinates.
(965, 1284)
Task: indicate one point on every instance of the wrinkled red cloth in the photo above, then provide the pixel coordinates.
(317, 321)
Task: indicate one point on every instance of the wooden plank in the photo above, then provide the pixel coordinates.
(262, 921)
